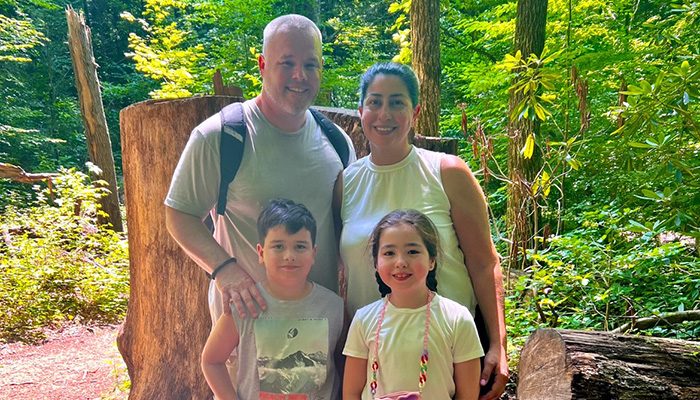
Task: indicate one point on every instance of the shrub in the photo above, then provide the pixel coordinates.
(57, 264)
(600, 275)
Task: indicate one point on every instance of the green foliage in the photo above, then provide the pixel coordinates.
(17, 37)
(57, 264)
(601, 274)
(165, 54)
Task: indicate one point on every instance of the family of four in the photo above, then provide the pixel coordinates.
(407, 227)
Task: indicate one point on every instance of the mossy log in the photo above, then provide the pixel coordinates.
(562, 364)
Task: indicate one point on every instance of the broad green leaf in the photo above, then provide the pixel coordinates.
(651, 194)
(635, 226)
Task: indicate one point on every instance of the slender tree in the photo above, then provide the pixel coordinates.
(99, 143)
(522, 168)
(425, 42)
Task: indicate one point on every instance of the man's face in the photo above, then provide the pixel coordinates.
(291, 71)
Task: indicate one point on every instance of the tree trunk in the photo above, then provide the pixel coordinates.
(167, 319)
(96, 132)
(522, 215)
(560, 364)
(425, 43)
(308, 8)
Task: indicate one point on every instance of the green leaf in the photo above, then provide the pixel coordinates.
(635, 226)
(685, 68)
(651, 194)
(640, 145)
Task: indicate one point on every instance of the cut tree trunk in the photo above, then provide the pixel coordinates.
(167, 321)
(92, 110)
(561, 364)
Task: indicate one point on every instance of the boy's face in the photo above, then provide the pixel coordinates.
(287, 257)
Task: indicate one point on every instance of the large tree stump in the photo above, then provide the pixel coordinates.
(560, 364)
(167, 321)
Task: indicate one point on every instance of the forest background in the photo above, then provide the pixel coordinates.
(612, 204)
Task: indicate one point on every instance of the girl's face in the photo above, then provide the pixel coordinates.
(403, 261)
(387, 113)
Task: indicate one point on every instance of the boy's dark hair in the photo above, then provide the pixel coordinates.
(294, 217)
(425, 229)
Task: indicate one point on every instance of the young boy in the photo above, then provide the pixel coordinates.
(289, 351)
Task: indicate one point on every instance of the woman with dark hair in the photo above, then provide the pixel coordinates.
(398, 175)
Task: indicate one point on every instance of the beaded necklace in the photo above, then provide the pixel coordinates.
(423, 374)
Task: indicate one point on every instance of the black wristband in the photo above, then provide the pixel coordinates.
(218, 268)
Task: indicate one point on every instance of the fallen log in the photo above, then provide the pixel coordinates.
(16, 173)
(562, 364)
(658, 320)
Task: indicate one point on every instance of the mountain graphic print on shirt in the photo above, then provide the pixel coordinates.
(291, 357)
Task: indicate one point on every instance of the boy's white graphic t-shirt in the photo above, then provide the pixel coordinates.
(288, 351)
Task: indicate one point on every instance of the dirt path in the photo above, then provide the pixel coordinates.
(76, 363)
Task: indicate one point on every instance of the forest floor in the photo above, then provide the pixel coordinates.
(76, 362)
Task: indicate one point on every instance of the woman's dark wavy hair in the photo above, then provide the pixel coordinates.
(425, 228)
(403, 72)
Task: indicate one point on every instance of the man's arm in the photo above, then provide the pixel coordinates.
(235, 285)
(470, 220)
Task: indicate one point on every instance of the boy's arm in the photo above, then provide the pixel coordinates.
(221, 342)
(466, 377)
(355, 378)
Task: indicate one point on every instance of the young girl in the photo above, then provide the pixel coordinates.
(412, 340)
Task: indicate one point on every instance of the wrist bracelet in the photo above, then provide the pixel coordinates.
(218, 268)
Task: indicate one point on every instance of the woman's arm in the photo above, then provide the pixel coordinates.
(355, 378)
(470, 219)
(466, 378)
(221, 342)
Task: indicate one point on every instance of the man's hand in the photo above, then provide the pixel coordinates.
(238, 288)
(495, 364)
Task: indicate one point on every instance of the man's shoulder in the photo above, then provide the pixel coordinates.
(210, 126)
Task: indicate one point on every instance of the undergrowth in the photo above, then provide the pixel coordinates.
(600, 276)
(57, 264)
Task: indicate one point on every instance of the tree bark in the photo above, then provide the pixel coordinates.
(425, 43)
(92, 110)
(560, 364)
(308, 8)
(522, 214)
(17, 174)
(167, 320)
